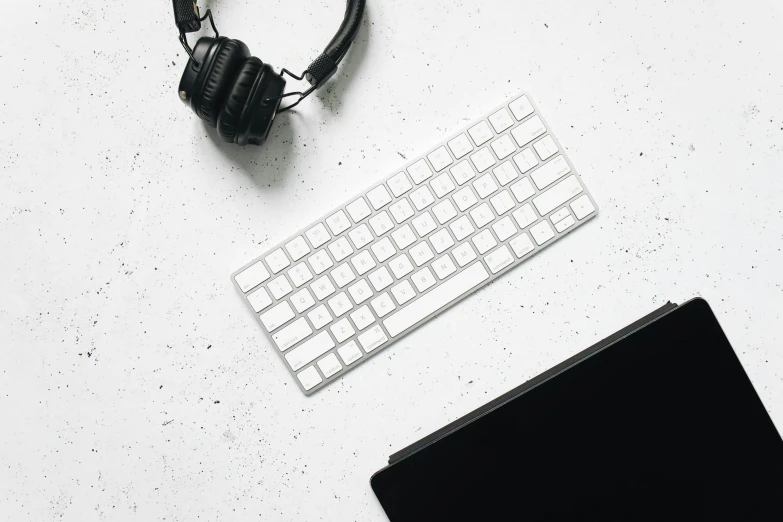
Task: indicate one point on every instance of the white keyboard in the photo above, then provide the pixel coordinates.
(361, 277)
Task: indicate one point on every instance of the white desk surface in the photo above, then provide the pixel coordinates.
(134, 384)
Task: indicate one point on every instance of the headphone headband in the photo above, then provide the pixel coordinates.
(187, 18)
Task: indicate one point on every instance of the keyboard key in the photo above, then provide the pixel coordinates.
(525, 215)
(499, 259)
(424, 224)
(505, 173)
(422, 198)
(401, 210)
(363, 262)
(379, 197)
(329, 365)
(436, 299)
(441, 241)
(320, 317)
(382, 305)
(401, 266)
(485, 186)
(259, 299)
(481, 133)
(372, 338)
(340, 304)
(523, 189)
(419, 171)
(439, 158)
(343, 275)
(547, 201)
(502, 202)
(564, 223)
(309, 351)
(465, 199)
(521, 245)
(302, 300)
(292, 334)
(360, 292)
(383, 249)
(350, 353)
(404, 237)
(525, 160)
(582, 207)
(300, 274)
(559, 215)
(460, 146)
(277, 316)
(503, 147)
(322, 288)
(380, 279)
(360, 236)
(442, 185)
(403, 292)
(462, 172)
(252, 276)
(444, 211)
(342, 330)
(277, 260)
(320, 261)
(484, 241)
(309, 378)
(482, 215)
(423, 279)
(362, 318)
(318, 235)
(482, 159)
(464, 254)
(542, 232)
(521, 107)
(421, 253)
(399, 184)
(340, 249)
(358, 210)
(545, 147)
(504, 228)
(338, 222)
(550, 172)
(381, 223)
(444, 267)
(297, 248)
(462, 228)
(529, 130)
(279, 287)
(501, 120)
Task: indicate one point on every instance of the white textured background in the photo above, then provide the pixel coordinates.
(135, 385)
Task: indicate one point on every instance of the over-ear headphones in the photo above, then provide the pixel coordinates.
(238, 93)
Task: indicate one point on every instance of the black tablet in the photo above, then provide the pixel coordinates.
(659, 423)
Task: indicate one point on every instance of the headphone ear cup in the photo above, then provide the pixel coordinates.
(238, 96)
(246, 116)
(220, 73)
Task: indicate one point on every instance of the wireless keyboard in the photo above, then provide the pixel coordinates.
(361, 277)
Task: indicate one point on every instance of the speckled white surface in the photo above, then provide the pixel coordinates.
(134, 385)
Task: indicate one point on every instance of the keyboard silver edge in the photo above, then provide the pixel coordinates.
(391, 340)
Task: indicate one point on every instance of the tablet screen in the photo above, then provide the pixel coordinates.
(662, 425)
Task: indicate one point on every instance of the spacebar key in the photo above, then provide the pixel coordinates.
(435, 300)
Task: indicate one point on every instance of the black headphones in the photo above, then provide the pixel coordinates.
(238, 93)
